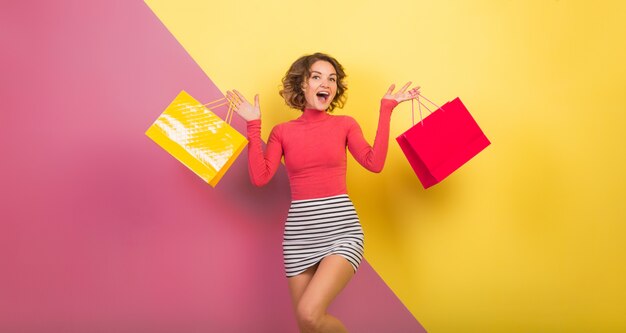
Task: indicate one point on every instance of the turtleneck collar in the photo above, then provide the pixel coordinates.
(311, 115)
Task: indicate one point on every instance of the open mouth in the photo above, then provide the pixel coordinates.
(323, 96)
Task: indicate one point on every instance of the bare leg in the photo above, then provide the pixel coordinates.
(332, 275)
(298, 283)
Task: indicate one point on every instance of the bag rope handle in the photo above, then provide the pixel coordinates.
(419, 106)
(216, 104)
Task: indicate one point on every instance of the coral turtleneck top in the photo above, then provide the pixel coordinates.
(314, 148)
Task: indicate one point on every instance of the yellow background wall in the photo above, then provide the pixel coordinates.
(530, 235)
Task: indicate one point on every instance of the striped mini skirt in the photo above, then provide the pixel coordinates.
(316, 228)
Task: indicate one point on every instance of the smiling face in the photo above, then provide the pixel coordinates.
(321, 86)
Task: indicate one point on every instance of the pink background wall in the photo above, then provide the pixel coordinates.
(102, 230)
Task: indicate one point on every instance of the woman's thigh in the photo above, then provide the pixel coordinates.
(299, 283)
(332, 275)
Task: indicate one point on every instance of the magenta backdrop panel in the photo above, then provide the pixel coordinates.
(100, 229)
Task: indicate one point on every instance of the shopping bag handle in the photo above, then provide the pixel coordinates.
(419, 106)
(220, 102)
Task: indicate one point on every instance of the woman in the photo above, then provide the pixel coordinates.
(323, 238)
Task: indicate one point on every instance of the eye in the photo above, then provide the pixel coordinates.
(315, 77)
(332, 79)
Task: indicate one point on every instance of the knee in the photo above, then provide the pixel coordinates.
(309, 318)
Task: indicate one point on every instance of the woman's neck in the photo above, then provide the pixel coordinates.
(313, 115)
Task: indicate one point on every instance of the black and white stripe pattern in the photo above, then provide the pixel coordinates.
(316, 228)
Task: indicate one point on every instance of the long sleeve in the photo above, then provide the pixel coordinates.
(263, 166)
(372, 158)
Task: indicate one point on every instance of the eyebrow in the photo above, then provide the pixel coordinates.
(320, 73)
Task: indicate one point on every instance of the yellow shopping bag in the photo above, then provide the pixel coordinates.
(197, 137)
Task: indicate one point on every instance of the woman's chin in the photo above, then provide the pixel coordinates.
(319, 106)
(324, 106)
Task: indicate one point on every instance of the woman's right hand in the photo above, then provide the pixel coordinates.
(243, 108)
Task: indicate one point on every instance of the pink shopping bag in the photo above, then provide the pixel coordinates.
(442, 142)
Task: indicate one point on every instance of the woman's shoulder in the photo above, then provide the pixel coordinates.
(344, 119)
(285, 126)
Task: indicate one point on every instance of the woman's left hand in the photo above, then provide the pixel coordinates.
(402, 94)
